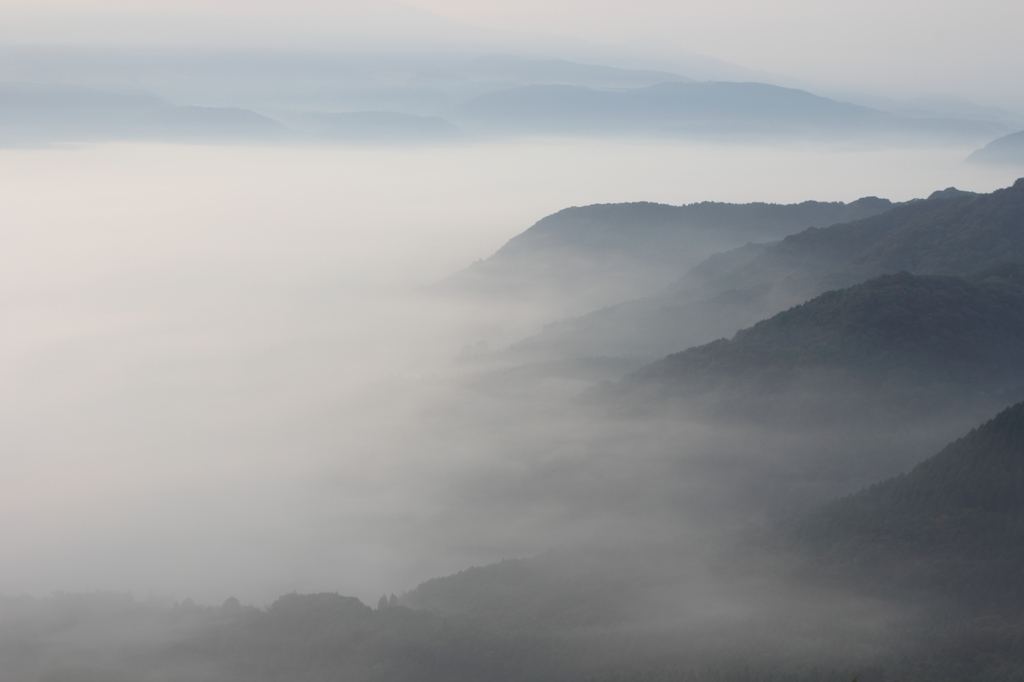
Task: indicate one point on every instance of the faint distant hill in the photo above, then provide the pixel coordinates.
(206, 124)
(558, 590)
(888, 350)
(951, 529)
(510, 71)
(708, 109)
(39, 114)
(931, 106)
(321, 637)
(1005, 150)
(585, 257)
(374, 127)
(279, 81)
(952, 232)
(113, 638)
(33, 113)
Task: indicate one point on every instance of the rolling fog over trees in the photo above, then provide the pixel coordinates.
(437, 340)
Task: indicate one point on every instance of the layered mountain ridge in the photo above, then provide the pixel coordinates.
(891, 346)
(697, 110)
(589, 256)
(952, 233)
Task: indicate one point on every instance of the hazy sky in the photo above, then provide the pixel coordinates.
(895, 47)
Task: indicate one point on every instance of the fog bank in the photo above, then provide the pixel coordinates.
(220, 375)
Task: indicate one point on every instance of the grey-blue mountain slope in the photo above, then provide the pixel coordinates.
(1007, 150)
(587, 257)
(33, 114)
(950, 233)
(893, 349)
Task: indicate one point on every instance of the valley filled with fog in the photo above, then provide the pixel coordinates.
(228, 370)
(562, 341)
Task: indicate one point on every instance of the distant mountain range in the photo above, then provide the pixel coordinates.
(502, 72)
(698, 110)
(373, 127)
(950, 233)
(398, 100)
(32, 114)
(206, 124)
(945, 107)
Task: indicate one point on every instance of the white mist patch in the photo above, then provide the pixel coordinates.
(218, 376)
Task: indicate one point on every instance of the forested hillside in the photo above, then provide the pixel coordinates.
(951, 233)
(952, 528)
(314, 637)
(895, 346)
(590, 256)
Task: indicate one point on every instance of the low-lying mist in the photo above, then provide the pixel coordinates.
(225, 374)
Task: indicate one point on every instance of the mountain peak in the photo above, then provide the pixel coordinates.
(949, 193)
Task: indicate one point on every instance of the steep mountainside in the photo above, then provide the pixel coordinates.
(893, 347)
(953, 527)
(950, 233)
(586, 257)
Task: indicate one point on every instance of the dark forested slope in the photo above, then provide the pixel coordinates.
(952, 528)
(953, 235)
(890, 347)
